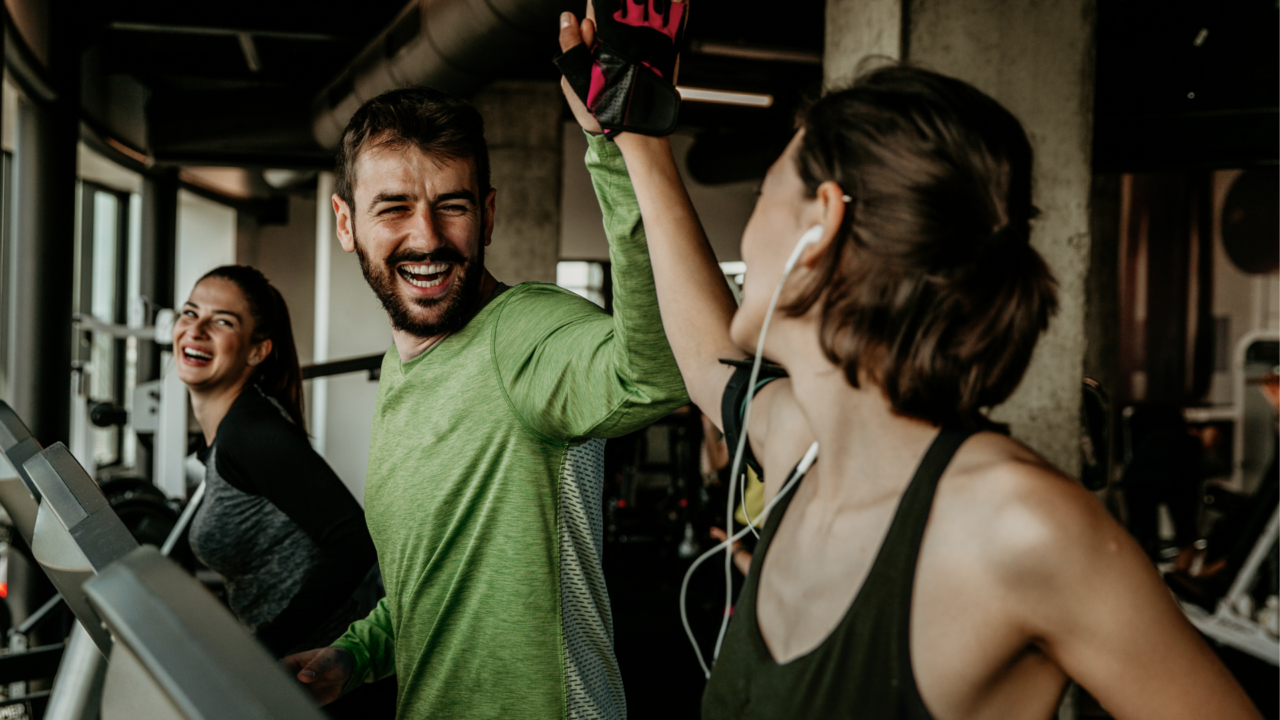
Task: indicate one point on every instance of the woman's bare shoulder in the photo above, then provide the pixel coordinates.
(775, 417)
(779, 432)
(1026, 517)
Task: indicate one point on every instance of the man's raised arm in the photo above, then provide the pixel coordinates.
(697, 306)
(572, 371)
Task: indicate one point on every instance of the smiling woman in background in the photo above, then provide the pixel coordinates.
(278, 525)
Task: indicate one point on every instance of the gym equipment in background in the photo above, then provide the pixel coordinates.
(1095, 436)
(77, 533)
(180, 654)
(1235, 619)
(24, 661)
(1250, 222)
(158, 410)
(1243, 614)
(18, 494)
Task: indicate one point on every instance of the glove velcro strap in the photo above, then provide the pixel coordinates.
(630, 98)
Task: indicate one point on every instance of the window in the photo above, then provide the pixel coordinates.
(102, 261)
(583, 277)
(735, 273)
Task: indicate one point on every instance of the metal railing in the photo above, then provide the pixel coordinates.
(371, 363)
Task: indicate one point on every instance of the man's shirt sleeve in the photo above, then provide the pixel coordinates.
(372, 645)
(570, 370)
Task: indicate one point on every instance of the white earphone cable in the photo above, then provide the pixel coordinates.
(809, 458)
(810, 236)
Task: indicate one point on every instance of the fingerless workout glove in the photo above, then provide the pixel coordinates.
(627, 80)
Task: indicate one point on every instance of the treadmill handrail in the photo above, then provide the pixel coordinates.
(198, 654)
(80, 507)
(18, 445)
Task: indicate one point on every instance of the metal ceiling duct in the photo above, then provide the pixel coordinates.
(453, 45)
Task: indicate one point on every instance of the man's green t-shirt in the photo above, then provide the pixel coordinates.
(483, 494)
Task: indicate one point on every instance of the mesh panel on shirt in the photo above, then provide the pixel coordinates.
(591, 671)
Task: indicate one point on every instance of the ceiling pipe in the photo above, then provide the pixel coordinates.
(26, 71)
(452, 45)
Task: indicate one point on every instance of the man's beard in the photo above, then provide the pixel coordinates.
(456, 306)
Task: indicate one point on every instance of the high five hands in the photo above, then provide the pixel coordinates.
(620, 65)
(572, 34)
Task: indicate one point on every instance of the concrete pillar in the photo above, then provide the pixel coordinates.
(40, 278)
(522, 127)
(157, 253)
(43, 231)
(158, 256)
(1037, 60)
(857, 30)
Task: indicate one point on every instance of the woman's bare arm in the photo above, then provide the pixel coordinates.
(1098, 608)
(697, 306)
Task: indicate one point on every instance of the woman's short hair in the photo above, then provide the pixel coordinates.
(278, 375)
(932, 290)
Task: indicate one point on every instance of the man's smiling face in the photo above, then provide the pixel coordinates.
(419, 225)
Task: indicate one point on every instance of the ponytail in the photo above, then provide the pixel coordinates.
(932, 289)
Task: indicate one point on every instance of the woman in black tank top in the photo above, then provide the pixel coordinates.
(863, 668)
(927, 566)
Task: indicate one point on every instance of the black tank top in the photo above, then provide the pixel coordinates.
(863, 668)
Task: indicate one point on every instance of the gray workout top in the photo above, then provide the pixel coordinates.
(286, 535)
(863, 668)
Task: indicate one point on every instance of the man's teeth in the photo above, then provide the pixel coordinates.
(431, 269)
(197, 354)
(413, 272)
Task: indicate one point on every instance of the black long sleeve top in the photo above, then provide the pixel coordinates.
(280, 527)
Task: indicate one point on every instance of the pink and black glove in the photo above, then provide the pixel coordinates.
(627, 80)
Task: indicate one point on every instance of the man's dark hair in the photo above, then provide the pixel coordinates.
(931, 289)
(437, 123)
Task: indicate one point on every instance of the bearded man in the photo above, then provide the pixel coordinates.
(483, 494)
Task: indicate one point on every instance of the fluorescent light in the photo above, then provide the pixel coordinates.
(726, 98)
(766, 54)
(733, 267)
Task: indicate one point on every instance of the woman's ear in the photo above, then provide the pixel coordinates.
(831, 207)
(260, 352)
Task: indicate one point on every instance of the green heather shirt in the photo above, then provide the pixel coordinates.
(483, 491)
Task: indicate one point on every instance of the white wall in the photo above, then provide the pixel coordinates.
(724, 209)
(206, 239)
(355, 325)
(285, 254)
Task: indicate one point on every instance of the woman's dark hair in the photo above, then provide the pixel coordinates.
(278, 375)
(931, 289)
